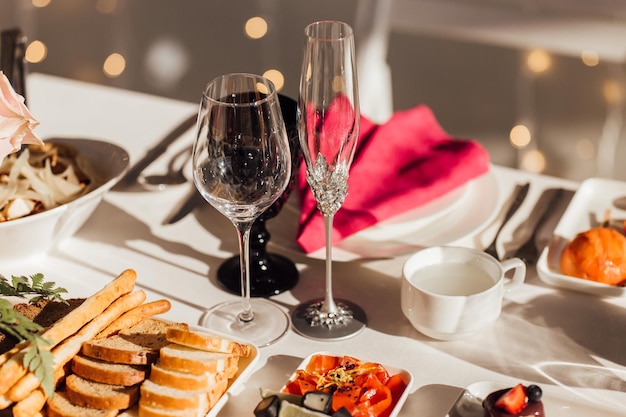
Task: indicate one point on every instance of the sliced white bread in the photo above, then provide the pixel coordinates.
(156, 396)
(61, 406)
(160, 396)
(147, 411)
(137, 345)
(86, 393)
(185, 359)
(207, 341)
(109, 372)
(216, 392)
(186, 380)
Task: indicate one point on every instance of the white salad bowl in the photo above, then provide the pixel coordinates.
(105, 164)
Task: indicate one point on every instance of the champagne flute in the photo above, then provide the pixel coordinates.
(329, 127)
(241, 165)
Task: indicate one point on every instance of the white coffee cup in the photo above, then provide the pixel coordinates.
(451, 292)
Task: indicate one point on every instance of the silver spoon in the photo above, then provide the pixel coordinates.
(174, 175)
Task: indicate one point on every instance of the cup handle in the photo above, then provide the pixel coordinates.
(518, 275)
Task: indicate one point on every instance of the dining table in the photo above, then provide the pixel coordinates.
(571, 343)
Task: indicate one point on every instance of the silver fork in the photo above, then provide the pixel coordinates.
(520, 194)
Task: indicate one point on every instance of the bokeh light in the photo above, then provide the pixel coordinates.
(538, 61)
(255, 27)
(590, 58)
(36, 52)
(262, 88)
(339, 84)
(40, 3)
(520, 136)
(586, 149)
(534, 161)
(167, 62)
(613, 92)
(276, 77)
(114, 65)
(106, 6)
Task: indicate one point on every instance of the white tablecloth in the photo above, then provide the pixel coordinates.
(571, 344)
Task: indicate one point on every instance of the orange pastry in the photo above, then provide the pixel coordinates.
(598, 254)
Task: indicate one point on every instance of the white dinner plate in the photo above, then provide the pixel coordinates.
(465, 211)
(469, 403)
(411, 221)
(471, 211)
(406, 376)
(586, 210)
(235, 384)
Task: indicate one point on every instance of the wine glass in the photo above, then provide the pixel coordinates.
(270, 273)
(241, 165)
(329, 127)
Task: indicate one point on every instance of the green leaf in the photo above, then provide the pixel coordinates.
(38, 360)
(41, 363)
(20, 286)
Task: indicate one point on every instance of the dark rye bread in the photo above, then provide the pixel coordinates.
(43, 312)
(137, 345)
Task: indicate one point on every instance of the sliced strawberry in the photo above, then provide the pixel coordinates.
(514, 400)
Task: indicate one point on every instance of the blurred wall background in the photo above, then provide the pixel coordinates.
(471, 61)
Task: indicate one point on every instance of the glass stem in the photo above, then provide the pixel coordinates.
(329, 305)
(243, 231)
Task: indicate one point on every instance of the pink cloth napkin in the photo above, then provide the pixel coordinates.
(398, 166)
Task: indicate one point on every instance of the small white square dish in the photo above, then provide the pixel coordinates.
(405, 375)
(587, 209)
(469, 403)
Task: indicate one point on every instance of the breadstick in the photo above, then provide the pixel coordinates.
(5, 402)
(134, 316)
(12, 370)
(66, 350)
(30, 405)
(7, 355)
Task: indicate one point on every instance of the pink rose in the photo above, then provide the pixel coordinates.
(16, 122)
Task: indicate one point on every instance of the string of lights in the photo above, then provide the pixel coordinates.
(167, 62)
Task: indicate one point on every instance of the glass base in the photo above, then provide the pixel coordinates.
(270, 323)
(275, 275)
(308, 320)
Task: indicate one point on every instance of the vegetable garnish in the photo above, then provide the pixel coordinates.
(37, 359)
(365, 389)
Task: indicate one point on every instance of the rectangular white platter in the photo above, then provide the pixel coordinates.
(587, 209)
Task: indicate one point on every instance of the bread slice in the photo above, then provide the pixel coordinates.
(216, 392)
(185, 359)
(61, 406)
(186, 380)
(109, 372)
(160, 396)
(137, 345)
(147, 411)
(86, 393)
(156, 396)
(207, 341)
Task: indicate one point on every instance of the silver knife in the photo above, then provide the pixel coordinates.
(529, 251)
(159, 149)
(193, 200)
